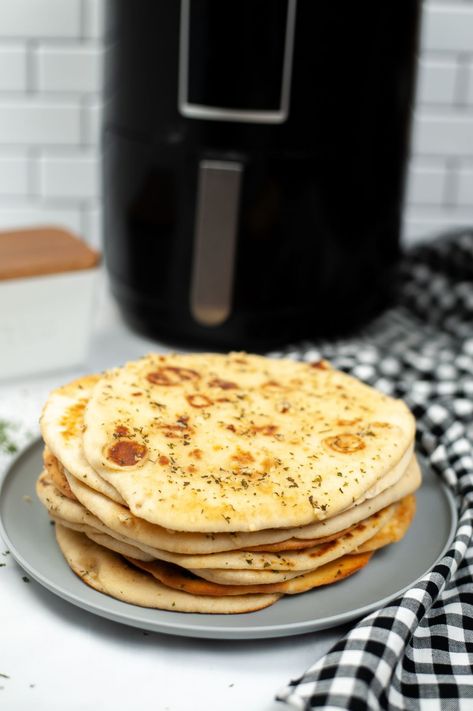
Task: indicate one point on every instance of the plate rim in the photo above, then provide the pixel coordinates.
(195, 630)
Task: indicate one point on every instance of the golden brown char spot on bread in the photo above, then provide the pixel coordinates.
(126, 453)
(273, 385)
(242, 456)
(197, 400)
(320, 365)
(345, 443)
(239, 359)
(196, 453)
(175, 430)
(171, 375)
(267, 430)
(223, 384)
(325, 548)
(121, 431)
(73, 419)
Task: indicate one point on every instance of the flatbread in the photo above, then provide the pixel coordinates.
(106, 541)
(73, 514)
(62, 427)
(65, 407)
(247, 577)
(293, 561)
(62, 506)
(296, 544)
(182, 542)
(51, 464)
(307, 559)
(395, 529)
(122, 522)
(222, 443)
(182, 579)
(108, 573)
(409, 483)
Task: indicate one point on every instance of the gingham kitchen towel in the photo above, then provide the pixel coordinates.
(416, 653)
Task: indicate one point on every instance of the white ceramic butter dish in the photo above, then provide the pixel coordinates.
(47, 288)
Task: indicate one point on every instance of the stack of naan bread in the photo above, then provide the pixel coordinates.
(218, 483)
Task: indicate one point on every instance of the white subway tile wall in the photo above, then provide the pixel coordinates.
(427, 182)
(34, 19)
(14, 173)
(39, 121)
(51, 64)
(437, 80)
(69, 175)
(440, 185)
(76, 69)
(464, 194)
(13, 68)
(448, 26)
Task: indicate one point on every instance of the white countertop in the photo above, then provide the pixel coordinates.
(57, 656)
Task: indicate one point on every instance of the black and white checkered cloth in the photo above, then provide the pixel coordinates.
(416, 653)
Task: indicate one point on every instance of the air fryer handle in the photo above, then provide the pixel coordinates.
(215, 235)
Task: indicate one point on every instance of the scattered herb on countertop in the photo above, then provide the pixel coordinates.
(4, 676)
(25, 579)
(2, 565)
(7, 445)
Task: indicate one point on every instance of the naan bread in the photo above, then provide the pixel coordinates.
(182, 579)
(108, 573)
(62, 424)
(247, 577)
(307, 559)
(395, 529)
(223, 443)
(105, 541)
(409, 483)
(52, 466)
(120, 520)
(230, 480)
(73, 515)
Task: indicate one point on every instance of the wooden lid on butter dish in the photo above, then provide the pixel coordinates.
(43, 250)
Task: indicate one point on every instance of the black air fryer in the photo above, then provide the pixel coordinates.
(255, 154)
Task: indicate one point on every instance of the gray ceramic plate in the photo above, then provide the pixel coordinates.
(25, 527)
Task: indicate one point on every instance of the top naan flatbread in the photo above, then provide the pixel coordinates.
(211, 443)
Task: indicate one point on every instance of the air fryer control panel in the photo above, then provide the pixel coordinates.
(235, 65)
